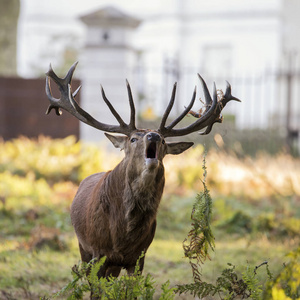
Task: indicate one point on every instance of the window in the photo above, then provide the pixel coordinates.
(105, 36)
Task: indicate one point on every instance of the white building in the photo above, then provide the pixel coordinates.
(244, 42)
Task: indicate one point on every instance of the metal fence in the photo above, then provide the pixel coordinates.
(270, 99)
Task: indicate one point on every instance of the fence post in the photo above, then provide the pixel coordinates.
(292, 133)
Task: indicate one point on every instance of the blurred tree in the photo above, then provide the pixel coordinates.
(9, 14)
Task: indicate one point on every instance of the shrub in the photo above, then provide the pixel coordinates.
(85, 280)
(286, 285)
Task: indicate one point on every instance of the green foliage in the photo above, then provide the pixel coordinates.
(239, 217)
(54, 160)
(201, 239)
(286, 285)
(251, 284)
(256, 212)
(240, 223)
(278, 226)
(229, 285)
(136, 286)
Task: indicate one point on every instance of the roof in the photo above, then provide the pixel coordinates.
(110, 16)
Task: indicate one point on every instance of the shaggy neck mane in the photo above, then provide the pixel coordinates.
(141, 192)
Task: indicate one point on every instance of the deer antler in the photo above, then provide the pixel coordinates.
(211, 114)
(68, 103)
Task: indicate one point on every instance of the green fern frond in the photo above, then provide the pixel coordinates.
(252, 283)
(95, 266)
(200, 238)
(167, 292)
(199, 289)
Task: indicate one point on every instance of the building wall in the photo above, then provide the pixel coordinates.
(23, 104)
(107, 67)
(240, 41)
(9, 13)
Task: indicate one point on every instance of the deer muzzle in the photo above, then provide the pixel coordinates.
(152, 140)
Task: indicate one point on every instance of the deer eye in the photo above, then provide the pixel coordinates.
(133, 140)
(163, 142)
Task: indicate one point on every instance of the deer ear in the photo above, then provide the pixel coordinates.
(177, 148)
(117, 140)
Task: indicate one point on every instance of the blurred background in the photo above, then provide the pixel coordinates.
(252, 158)
(252, 44)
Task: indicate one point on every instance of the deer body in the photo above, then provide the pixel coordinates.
(114, 213)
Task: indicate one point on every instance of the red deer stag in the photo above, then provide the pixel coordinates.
(114, 212)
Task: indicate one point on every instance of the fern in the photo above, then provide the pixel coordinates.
(167, 292)
(252, 284)
(137, 286)
(199, 289)
(200, 238)
(287, 282)
(78, 272)
(229, 285)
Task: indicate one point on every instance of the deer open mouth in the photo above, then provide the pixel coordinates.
(151, 151)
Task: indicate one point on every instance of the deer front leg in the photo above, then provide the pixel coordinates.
(113, 271)
(85, 256)
(130, 270)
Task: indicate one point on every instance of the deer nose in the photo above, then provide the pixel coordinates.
(153, 137)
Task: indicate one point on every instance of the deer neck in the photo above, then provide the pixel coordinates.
(142, 188)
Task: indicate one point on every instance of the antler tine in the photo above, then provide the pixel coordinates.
(68, 103)
(207, 96)
(213, 107)
(51, 99)
(202, 122)
(76, 92)
(63, 85)
(227, 97)
(112, 109)
(211, 115)
(184, 113)
(132, 107)
(62, 81)
(168, 109)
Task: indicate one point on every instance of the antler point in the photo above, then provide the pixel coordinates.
(75, 64)
(195, 90)
(50, 70)
(200, 77)
(236, 99)
(48, 110)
